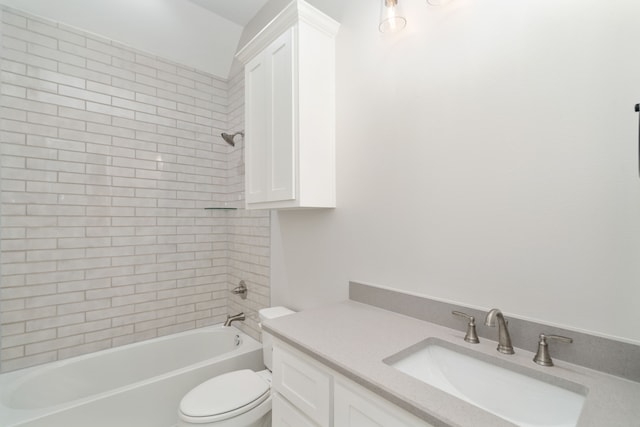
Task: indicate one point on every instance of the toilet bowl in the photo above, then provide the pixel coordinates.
(236, 399)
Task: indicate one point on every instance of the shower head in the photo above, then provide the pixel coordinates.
(229, 137)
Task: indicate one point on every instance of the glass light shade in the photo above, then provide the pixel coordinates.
(391, 17)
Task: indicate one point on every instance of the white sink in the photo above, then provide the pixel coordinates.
(514, 396)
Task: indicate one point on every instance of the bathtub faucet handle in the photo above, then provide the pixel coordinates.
(241, 290)
(231, 319)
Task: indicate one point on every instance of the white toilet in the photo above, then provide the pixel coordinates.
(235, 399)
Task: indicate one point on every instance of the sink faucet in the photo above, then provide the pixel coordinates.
(231, 319)
(504, 340)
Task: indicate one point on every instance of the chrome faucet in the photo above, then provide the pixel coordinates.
(231, 319)
(504, 340)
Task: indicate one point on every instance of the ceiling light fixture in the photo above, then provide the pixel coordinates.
(391, 17)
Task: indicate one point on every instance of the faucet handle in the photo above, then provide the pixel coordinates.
(542, 357)
(241, 290)
(471, 336)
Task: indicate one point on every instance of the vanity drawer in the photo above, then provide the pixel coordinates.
(304, 383)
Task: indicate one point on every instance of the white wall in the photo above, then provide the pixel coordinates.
(487, 155)
(173, 29)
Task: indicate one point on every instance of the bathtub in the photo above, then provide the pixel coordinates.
(136, 385)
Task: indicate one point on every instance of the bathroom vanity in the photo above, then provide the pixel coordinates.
(336, 366)
(308, 393)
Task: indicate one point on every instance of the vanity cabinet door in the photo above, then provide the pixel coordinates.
(284, 414)
(304, 383)
(354, 406)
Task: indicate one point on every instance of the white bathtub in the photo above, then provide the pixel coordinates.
(136, 385)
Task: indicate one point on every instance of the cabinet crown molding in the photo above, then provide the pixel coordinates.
(296, 11)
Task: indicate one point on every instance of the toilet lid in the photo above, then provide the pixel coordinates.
(225, 394)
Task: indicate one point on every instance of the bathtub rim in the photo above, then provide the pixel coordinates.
(10, 381)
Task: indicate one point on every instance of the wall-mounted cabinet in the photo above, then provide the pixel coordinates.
(290, 111)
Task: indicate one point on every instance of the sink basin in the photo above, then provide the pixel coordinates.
(505, 391)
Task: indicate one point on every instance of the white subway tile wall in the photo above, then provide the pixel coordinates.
(109, 157)
(249, 231)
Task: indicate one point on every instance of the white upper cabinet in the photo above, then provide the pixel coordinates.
(290, 111)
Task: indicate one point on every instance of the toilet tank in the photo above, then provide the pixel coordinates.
(267, 338)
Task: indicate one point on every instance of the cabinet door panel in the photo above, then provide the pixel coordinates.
(256, 132)
(282, 171)
(302, 383)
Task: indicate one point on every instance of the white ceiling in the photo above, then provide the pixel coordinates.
(238, 11)
(202, 34)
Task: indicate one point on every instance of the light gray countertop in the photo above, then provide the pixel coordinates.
(353, 339)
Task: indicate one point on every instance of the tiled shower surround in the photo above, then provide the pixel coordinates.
(109, 158)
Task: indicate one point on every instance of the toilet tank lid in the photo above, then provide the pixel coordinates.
(273, 312)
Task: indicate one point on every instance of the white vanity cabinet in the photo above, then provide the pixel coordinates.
(290, 112)
(307, 393)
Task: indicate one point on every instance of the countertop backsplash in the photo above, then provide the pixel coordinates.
(591, 351)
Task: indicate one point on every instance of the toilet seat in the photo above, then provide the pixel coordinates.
(225, 396)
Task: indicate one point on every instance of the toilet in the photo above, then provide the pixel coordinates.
(236, 399)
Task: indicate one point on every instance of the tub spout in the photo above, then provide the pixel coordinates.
(231, 319)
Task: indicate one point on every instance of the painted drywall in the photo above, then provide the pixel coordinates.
(486, 155)
(178, 30)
